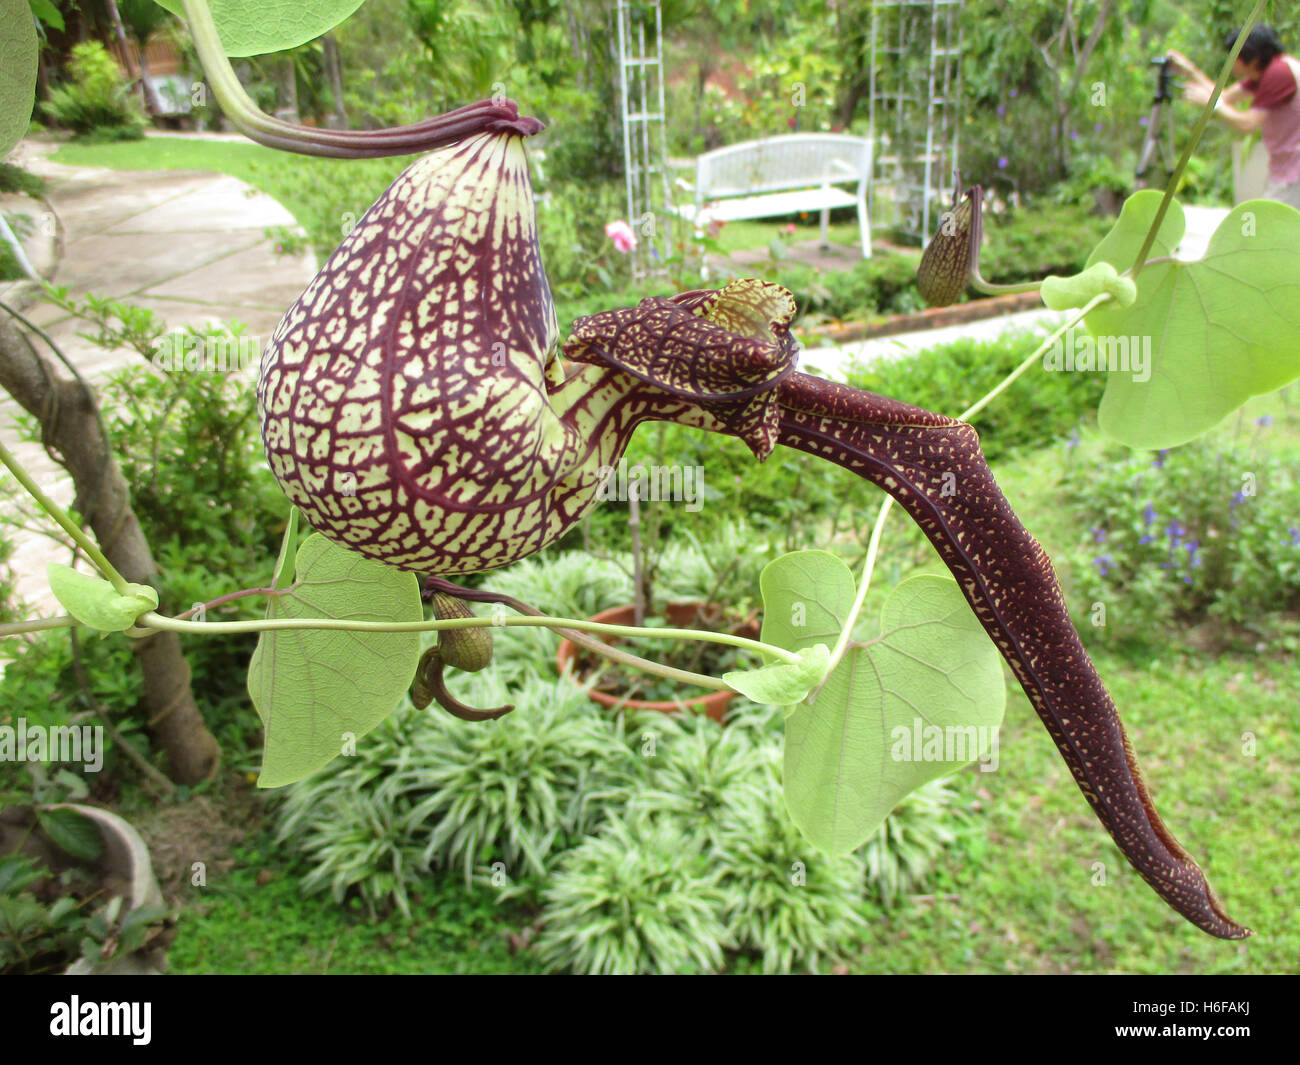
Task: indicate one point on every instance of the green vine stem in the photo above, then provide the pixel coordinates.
(62, 517)
(17, 628)
(1038, 353)
(990, 289)
(258, 126)
(868, 566)
(158, 621)
(1197, 132)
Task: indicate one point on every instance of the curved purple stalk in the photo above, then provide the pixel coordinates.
(934, 468)
(485, 116)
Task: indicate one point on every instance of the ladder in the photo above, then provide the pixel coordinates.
(645, 138)
(915, 95)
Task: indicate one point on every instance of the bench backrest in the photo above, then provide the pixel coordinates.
(792, 161)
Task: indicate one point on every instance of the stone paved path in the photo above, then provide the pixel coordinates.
(188, 245)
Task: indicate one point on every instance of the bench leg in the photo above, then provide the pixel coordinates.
(864, 228)
(826, 219)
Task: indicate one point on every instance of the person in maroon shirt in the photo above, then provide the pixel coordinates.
(1271, 81)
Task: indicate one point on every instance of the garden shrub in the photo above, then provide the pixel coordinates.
(515, 790)
(14, 178)
(711, 781)
(326, 196)
(96, 104)
(882, 285)
(1207, 530)
(1035, 240)
(349, 821)
(1040, 407)
(188, 444)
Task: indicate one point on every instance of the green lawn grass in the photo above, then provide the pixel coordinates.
(319, 193)
(759, 233)
(241, 925)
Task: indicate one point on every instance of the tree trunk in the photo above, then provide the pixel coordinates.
(119, 31)
(67, 415)
(286, 78)
(152, 105)
(334, 71)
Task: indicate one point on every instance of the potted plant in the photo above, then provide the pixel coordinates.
(616, 687)
(97, 902)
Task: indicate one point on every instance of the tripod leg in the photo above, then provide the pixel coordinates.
(1150, 144)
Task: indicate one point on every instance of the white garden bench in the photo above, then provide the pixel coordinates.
(780, 176)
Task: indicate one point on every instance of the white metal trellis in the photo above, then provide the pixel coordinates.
(645, 140)
(915, 95)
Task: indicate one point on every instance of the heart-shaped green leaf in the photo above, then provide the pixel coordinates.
(95, 602)
(253, 27)
(315, 688)
(1218, 330)
(18, 49)
(919, 700)
(785, 683)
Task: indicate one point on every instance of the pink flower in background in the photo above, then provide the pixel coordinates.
(621, 234)
(788, 227)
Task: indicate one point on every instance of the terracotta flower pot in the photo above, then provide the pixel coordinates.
(680, 615)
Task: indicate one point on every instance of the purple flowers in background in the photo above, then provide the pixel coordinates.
(1193, 558)
(1159, 461)
(1104, 564)
(1148, 516)
(1295, 536)
(1265, 420)
(1002, 163)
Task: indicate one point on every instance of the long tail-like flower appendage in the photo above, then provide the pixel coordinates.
(934, 468)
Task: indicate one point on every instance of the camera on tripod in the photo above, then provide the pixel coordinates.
(1159, 130)
(1164, 78)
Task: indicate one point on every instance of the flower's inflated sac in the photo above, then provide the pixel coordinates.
(415, 406)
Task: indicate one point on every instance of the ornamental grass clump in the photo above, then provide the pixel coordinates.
(514, 791)
(901, 855)
(711, 781)
(348, 822)
(638, 898)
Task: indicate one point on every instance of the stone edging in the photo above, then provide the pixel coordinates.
(931, 318)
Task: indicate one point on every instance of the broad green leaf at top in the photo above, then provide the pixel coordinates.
(922, 698)
(1213, 333)
(318, 690)
(253, 27)
(18, 48)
